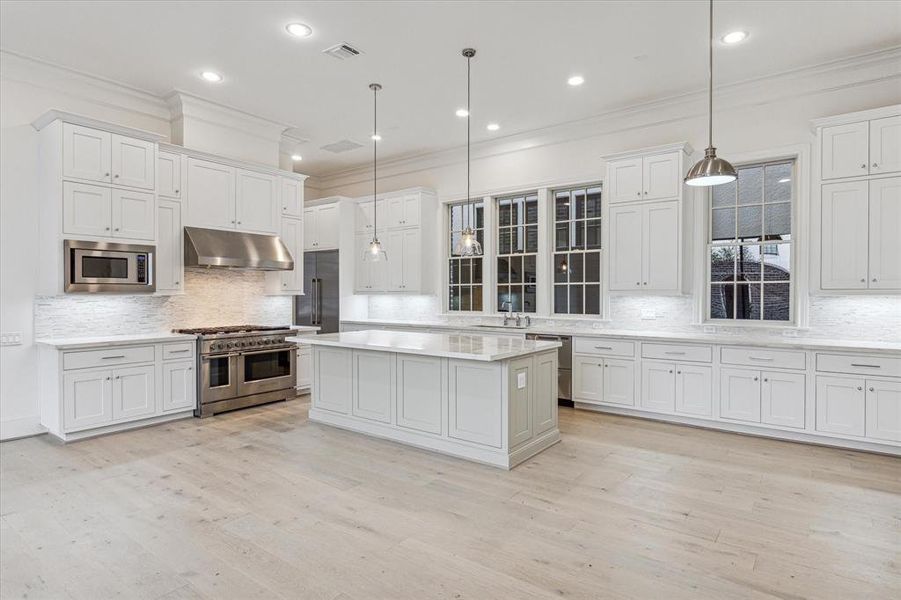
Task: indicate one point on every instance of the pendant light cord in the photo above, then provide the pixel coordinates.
(468, 129)
(375, 113)
(710, 84)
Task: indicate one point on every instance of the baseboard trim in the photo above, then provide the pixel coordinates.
(14, 429)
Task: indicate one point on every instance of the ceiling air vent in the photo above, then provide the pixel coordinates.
(342, 146)
(342, 51)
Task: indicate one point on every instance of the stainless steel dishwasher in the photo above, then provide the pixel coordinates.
(564, 364)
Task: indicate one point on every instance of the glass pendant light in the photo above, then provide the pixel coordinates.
(710, 170)
(374, 252)
(468, 244)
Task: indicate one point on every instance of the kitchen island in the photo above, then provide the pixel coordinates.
(485, 398)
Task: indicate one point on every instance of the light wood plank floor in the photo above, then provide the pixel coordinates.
(264, 504)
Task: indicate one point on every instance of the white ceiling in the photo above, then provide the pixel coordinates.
(629, 52)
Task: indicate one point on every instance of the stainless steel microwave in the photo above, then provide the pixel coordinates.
(109, 267)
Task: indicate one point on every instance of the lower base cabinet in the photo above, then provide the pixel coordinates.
(134, 392)
(420, 394)
(860, 407)
(304, 367)
(771, 397)
(884, 410)
(608, 380)
(87, 399)
(373, 385)
(676, 388)
(179, 388)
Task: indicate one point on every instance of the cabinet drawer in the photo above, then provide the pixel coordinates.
(759, 357)
(678, 352)
(180, 350)
(603, 346)
(884, 366)
(107, 357)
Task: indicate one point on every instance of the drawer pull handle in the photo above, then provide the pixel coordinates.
(179, 351)
(112, 357)
(603, 347)
(764, 358)
(675, 353)
(867, 366)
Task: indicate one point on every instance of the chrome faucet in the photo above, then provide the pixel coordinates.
(509, 315)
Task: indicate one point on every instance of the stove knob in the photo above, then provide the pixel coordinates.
(267, 342)
(230, 345)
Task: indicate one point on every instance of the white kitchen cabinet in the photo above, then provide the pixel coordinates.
(87, 209)
(644, 247)
(291, 196)
(403, 211)
(87, 153)
(304, 367)
(256, 201)
(169, 171)
(624, 180)
(885, 233)
(740, 394)
(782, 398)
(134, 393)
(619, 381)
(292, 236)
(845, 150)
(420, 393)
(133, 162)
(321, 230)
(658, 386)
(625, 247)
(87, 399)
(369, 277)
(333, 372)
(364, 220)
(883, 410)
(133, 214)
(885, 145)
(373, 390)
(588, 379)
(179, 386)
(170, 264)
(693, 390)
(841, 405)
(845, 226)
(211, 194)
(661, 176)
(475, 402)
(404, 264)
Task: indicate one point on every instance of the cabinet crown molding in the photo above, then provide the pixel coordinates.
(684, 147)
(231, 162)
(856, 117)
(403, 192)
(58, 115)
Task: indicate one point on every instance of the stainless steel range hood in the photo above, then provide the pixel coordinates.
(235, 250)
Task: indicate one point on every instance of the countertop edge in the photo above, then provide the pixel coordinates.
(501, 356)
(105, 342)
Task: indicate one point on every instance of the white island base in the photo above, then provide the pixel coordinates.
(487, 399)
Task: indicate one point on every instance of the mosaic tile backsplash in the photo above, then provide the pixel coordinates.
(212, 297)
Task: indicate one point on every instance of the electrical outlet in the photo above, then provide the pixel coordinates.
(648, 314)
(520, 381)
(11, 338)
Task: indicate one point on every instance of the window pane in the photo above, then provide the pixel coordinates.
(579, 204)
(454, 240)
(503, 297)
(453, 301)
(561, 296)
(721, 297)
(477, 297)
(778, 221)
(516, 297)
(593, 203)
(529, 299)
(576, 268)
(778, 183)
(777, 262)
(724, 195)
(532, 238)
(561, 206)
(750, 223)
(529, 271)
(516, 240)
(575, 299)
(503, 213)
(479, 221)
(562, 236)
(504, 236)
(531, 209)
(465, 303)
(593, 266)
(561, 268)
(776, 301)
(456, 217)
(578, 235)
(750, 185)
(723, 223)
(747, 301)
(593, 234)
(748, 266)
(722, 263)
(592, 299)
(503, 270)
(515, 269)
(477, 270)
(466, 270)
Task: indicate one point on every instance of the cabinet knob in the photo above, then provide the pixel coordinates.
(117, 377)
(239, 222)
(765, 380)
(108, 378)
(863, 280)
(872, 389)
(670, 370)
(646, 193)
(233, 222)
(176, 191)
(863, 166)
(645, 283)
(116, 176)
(678, 372)
(874, 279)
(755, 379)
(106, 174)
(177, 282)
(875, 165)
(107, 228)
(638, 194)
(605, 366)
(117, 229)
(637, 283)
(859, 388)
(190, 368)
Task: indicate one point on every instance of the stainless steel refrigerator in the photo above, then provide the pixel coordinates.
(320, 304)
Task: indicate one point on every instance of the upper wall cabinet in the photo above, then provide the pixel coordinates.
(650, 177)
(211, 194)
(320, 227)
(256, 202)
(93, 155)
(134, 162)
(168, 169)
(291, 197)
(866, 147)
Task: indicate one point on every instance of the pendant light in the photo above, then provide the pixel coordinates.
(710, 170)
(374, 252)
(468, 244)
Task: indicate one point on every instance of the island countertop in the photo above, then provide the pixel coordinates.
(447, 345)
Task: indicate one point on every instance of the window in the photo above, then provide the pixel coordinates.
(750, 245)
(465, 274)
(577, 251)
(517, 253)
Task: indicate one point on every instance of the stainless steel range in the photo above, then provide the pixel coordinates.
(243, 366)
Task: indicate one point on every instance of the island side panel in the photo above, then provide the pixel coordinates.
(544, 399)
(373, 385)
(332, 379)
(476, 402)
(422, 393)
(521, 389)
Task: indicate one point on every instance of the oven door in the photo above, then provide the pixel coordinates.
(218, 377)
(267, 370)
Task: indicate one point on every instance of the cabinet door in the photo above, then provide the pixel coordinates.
(411, 211)
(211, 194)
(544, 395)
(885, 234)
(885, 145)
(169, 248)
(625, 248)
(304, 367)
(87, 399)
(332, 374)
(411, 260)
(134, 215)
(168, 170)
(845, 150)
(86, 153)
(619, 381)
(179, 386)
(87, 209)
(394, 248)
(661, 177)
(658, 386)
(475, 402)
(844, 234)
(740, 395)
(363, 217)
(133, 162)
(327, 227)
(419, 393)
(362, 269)
(292, 197)
(310, 228)
(660, 246)
(292, 236)
(133, 392)
(256, 201)
(625, 179)
(693, 393)
(373, 381)
(841, 405)
(782, 398)
(884, 410)
(588, 379)
(395, 212)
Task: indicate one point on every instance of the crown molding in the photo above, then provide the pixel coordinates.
(183, 105)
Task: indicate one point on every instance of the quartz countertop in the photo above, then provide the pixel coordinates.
(466, 346)
(75, 343)
(776, 342)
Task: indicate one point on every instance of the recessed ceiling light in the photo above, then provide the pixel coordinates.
(734, 37)
(300, 30)
(296, 157)
(575, 80)
(211, 76)
(462, 112)
(493, 127)
(375, 137)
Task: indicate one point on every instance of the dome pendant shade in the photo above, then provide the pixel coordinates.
(468, 244)
(710, 171)
(374, 252)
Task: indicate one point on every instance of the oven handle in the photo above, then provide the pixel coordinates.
(269, 350)
(205, 358)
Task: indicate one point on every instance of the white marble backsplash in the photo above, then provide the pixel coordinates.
(212, 297)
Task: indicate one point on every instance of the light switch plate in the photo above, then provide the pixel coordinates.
(648, 314)
(520, 381)
(11, 338)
